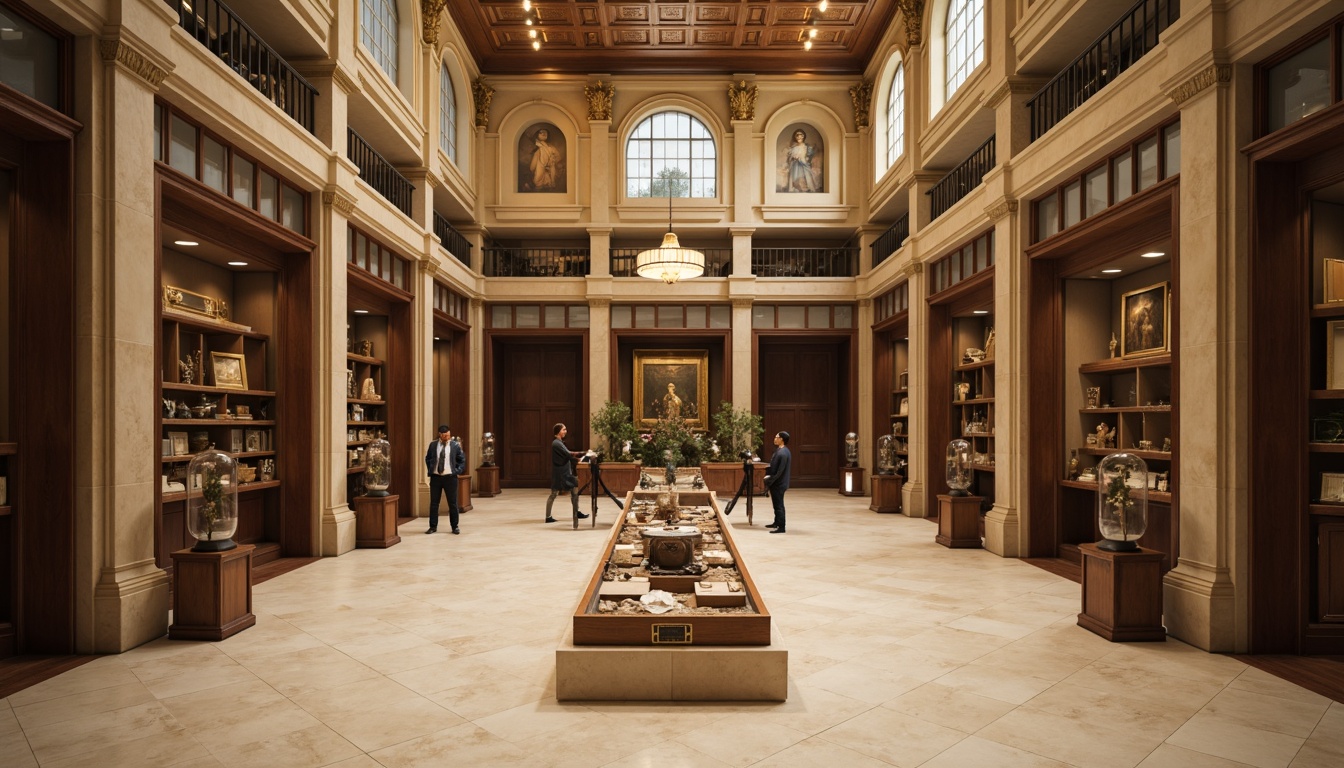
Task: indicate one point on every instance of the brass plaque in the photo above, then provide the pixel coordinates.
(672, 634)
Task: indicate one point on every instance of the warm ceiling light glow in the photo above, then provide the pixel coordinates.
(811, 33)
(532, 33)
(980, 312)
(807, 45)
(361, 311)
(1152, 255)
(670, 262)
(237, 263)
(1111, 271)
(536, 45)
(185, 242)
(527, 5)
(822, 6)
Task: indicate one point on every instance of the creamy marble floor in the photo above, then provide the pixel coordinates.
(440, 651)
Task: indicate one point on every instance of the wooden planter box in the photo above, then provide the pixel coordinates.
(593, 628)
(724, 478)
(620, 477)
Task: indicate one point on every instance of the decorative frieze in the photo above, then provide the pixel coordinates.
(599, 302)
(742, 302)
(429, 267)
(1210, 75)
(1000, 208)
(913, 268)
(742, 100)
(862, 97)
(482, 93)
(600, 96)
(339, 199)
(115, 49)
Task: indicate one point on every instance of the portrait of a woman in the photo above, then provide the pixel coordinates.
(541, 159)
(801, 160)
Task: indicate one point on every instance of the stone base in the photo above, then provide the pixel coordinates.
(694, 673)
(1002, 531)
(338, 531)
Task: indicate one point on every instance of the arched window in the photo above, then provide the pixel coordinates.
(896, 115)
(670, 154)
(965, 39)
(447, 115)
(378, 32)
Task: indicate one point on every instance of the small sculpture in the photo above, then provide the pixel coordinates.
(1073, 470)
(714, 448)
(698, 482)
(169, 408)
(1113, 344)
(1105, 435)
(190, 366)
(349, 382)
(369, 391)
(1093, 396)
(625, 449)
(1166, 445)
(671, 471)
(183, 412)
(645, 482)
(989, 344)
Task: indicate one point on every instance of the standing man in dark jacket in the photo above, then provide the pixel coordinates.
(562, 473)
(444, 461)
(777, 479)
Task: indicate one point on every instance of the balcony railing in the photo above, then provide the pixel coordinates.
(226, 36)
(1118, 48)
(379, 174)
(805, 262)
(536, 262)
(888, 242)
(452, 240)
(718, 261)
(961, 180)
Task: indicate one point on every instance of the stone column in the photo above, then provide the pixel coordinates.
(121, 595)
(476, 347)
(912, 491)
(422, 372)
(599, 356)
(864, 318)
(599, 253)
(742, 371)
(330, 308)
(1200, 601)
(601, 172)
(746, 170)
(741, 251)
(1004, 533)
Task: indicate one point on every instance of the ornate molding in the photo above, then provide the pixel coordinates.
(862, 97)
(343, 80)
(913, 12)
(1009, 87)
(913, 268)
(742, 100)
(1001, 207)
(741, 302)
(599, 96)
(476, 303)
(482, 93)
(430, 10)
(599, 302)
(865, 303)
(1209, 76)
(116, 50)
(428, 267)
(338, 199)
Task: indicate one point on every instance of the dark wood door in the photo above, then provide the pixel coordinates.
(801, 388)
(538, 385)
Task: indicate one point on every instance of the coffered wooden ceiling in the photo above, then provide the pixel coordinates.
(673, 37)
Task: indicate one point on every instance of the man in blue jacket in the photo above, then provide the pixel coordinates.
(444, 461)
(777, 480)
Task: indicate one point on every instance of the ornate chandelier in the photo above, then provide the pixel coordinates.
(670, 262)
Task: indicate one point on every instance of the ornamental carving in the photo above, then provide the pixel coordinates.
(599, 100)
(342, 202)
(114, 50)
(913, 12)
(482, 93)
(599, 302)
(742, 100)
(429, 17)
(1003, 207)
(862, 96)
(428, 267)
(1214, 73)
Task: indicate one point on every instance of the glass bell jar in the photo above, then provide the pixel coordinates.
(886, 455)
(851, 450)
(378, 468)
(1122, 501)
(959, 468)
(212, 501)
(488, 449)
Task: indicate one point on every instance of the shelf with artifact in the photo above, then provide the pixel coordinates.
(973, 396)
(891, 374)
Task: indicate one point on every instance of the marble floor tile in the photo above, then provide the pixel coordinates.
(956, 708)
(1259, 681)
(163, 749)
(669, 754)
(1294, 717)
(813, 752)
(463, 745)
(67, 739)
(1172, 756)
(974, 751)
(1077, 741)
(862, 682)
(741, 740)
(1233, 740)
(305, 748)
(893, 737)
(82, 706)
(995, 683)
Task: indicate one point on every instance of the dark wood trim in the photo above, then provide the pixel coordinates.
(368, 291)
(1045, 398)
(1141, 219)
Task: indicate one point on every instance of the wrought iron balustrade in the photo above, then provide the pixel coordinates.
(842, 261)
(503, 261)
(1118, 48)
(378, 173)
(227, 36)
(718, 261)
(961, 180)
(452, 241)
(888, 242)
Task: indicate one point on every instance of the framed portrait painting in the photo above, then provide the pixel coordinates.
(1144, 321)
(541, 159)
(671, 384)
(801, 159)
(230, 370)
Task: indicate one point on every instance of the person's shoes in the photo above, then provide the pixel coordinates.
(455, 531)
(777, 530)
(582, 516)
(772, 525)
(552, 520)
(431, 530)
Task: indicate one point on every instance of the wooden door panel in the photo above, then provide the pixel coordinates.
(800, 393)
(1330, 573)
(541, 385)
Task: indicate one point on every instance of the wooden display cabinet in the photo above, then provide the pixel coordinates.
(973, 400)
(366, 417)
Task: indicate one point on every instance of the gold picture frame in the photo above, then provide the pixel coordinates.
(671, 380)
(1334, 354)
(229, 369)
(1334, 281)
(1145, 321)
(182, 300)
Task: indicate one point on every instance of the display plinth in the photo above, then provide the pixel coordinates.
(487, 481)
(464, 493)
(376, 521)
(886, 493)
(212, 593)
(851, 481)
(1122, 594)
(958, 521)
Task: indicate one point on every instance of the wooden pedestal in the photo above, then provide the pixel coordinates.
(1122, 594)
(487, 481)
(886, 493)
(620, 477)
(376, 521)
(724, 478)
(851, 481)
(464, 493)
(958, 521)
(212, 593)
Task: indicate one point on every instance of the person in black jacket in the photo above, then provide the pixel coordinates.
(444, 461)
(777, 479)
(562, 473)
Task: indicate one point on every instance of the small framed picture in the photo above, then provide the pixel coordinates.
(1332, 487)
(1334, 281)
(179, 442)
(235, 441)
(253, 441)
(1334, 354)
(230, 370)
(1327, 431)
(904, 407)
(1144, 316)
(4, 491)
(903, 380)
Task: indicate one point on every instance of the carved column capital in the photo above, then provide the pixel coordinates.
(913, 268)
(428, 267)
(742, 302)
(596, 302)
(115, 50)
(476, 303)
(429, 18)
(913, 13)
(482, 93)
(600, 96)
(865, 303)
(1001, 207)
(862, 97)
(742, 100)
(334, 197)
(1209, 76)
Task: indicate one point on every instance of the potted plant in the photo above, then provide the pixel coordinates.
(736, 430)
(613, 424)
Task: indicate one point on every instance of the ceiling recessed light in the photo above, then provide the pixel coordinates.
(980, 312)
(1111, 271)
(436, 338)
(237, 263)
(185, 242)
(1152, 255)
(361, 311)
